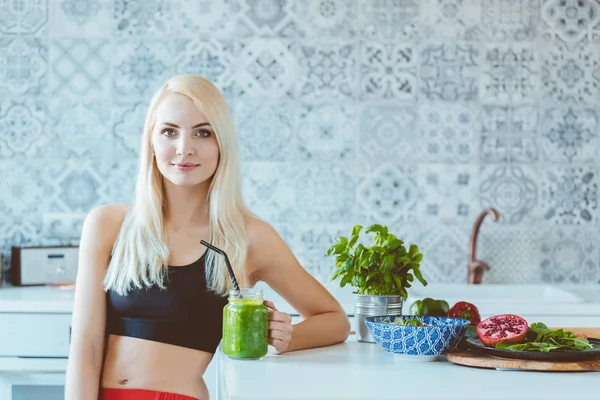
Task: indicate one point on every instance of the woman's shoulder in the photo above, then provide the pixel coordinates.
(258, 229)
(109, 213)
(261, 235)
(106, 220)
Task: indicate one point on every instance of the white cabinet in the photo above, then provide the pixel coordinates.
(34, 334)
(33, 355)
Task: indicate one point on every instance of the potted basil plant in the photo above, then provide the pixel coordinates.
(381, 273)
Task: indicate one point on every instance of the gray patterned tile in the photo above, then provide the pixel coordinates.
(449, 71)
(448, 193)
(387, 133)
(389, 191)
(77, 18)
(328, 70)
(76, 185)
(445, 253)
(571, 75)
(509, 134)
(570, 195)
(450, 132)
(80, 67)
(312, 242)
(571, 20)
(25, 128)
(510, 19)
(512, 254)
(387, 71)
(326, 132)
(571, 134)
(522, 120)
(25, 188)
(509, 73)
(19, 230)
(325, 193)
(269, 191)
(389, 20)
(266, 69)
(128, 127)
(410, 113)
(513, 190)
(272, 18)
(80, 128)
(24, 62)
(143, 18)
(450, 19)
(118, 180)
(64, 228)
(141, 67)
(320, 19)
(509, 149)
(28, 19)
(210, 58)
(265, 129)
(570, 255)
(218, 18)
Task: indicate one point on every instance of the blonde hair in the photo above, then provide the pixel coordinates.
(140, 254)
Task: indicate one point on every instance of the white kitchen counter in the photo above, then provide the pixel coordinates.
(40, 299)
(36, 299)
(355, 370)
(35, 321)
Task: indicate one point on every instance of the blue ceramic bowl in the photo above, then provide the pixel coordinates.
(441, 336)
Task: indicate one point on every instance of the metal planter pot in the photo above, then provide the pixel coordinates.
(372, 306)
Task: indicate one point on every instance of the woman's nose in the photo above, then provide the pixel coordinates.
(184, 147)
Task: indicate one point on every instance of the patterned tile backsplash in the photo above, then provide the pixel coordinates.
(417, 114)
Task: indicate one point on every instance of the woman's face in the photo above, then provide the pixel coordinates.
(184, 143)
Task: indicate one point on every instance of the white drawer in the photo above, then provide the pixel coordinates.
(34, 335)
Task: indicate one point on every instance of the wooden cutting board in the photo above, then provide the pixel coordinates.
(472, 359)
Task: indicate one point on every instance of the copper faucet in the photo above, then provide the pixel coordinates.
(476, 267)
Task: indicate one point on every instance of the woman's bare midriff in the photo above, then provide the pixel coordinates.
(132, 363)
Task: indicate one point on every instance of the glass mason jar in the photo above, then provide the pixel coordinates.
(245, 325)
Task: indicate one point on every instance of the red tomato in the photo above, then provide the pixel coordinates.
(465, 310)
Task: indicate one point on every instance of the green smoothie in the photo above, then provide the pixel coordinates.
(245, 326)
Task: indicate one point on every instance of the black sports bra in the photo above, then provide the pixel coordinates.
(184, 314)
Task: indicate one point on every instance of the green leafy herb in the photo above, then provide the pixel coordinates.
(386, 267)
(545, 339)
(406, 322)
(430, 307)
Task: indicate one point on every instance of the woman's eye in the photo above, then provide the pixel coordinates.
(203, 133)
(168, 132)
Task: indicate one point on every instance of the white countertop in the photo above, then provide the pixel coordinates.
(36, 299)
(43, 299)
(352, 369)
(355, 370)
(587, 305)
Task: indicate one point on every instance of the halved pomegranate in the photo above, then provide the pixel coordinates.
(507, 328)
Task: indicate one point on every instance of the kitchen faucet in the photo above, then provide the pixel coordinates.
(476, 267)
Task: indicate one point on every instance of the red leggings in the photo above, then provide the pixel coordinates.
(140, 394)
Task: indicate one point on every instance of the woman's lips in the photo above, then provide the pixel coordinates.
(185, 166)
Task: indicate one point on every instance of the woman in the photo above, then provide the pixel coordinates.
(149, 297)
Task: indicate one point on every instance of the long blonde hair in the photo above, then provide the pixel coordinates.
(140, 253)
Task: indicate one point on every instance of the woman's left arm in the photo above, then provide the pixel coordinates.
(270, 260)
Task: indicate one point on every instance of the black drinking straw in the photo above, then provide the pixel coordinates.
(229, 269)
